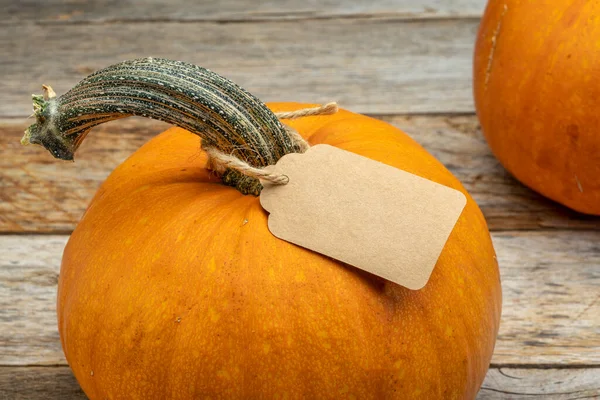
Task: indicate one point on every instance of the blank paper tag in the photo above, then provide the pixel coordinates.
(367, 214)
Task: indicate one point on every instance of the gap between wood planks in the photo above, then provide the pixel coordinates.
(59, 12)
(544, 366)
(384, 17)
(497, 366)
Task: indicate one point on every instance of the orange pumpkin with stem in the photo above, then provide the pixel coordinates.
(172, 286)
(536, 97)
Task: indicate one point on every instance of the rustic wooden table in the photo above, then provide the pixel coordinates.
(405, 62)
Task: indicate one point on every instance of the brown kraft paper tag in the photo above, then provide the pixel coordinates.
(375, 217)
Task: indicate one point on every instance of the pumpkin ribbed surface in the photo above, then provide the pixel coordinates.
(173, 287)
(536, 95)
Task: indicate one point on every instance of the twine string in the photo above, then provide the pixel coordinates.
(219, 161)
(327, 109)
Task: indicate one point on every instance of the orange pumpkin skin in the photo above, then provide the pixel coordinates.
(536, 95)
(172, 287)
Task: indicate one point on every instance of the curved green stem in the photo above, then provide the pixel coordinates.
(224, 115)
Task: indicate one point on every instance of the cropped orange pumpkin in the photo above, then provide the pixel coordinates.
(535, 73)
(172, 286)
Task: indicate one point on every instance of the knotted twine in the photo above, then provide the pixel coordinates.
(219, 161)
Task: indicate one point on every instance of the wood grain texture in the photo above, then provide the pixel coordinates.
(379, 66)
(65, 11)
(551, 298)
(40, 194)
(49, 383)
(543, 384)
(551, 306)
(29, 268)
(37, 383)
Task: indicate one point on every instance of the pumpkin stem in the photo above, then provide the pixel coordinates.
(225, 116)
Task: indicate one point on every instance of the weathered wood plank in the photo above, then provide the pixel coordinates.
(551, 298)
(29, 269)
(551, 286)
(39, 194)
(547, 384)
(375, 66)
(63, 11)
(36, 383)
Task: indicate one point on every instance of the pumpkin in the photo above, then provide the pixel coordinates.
(172, 286)
(536, 97)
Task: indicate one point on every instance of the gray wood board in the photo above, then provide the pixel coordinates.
(551, 293)
(368, 66)
(543, 384)
(64, 11)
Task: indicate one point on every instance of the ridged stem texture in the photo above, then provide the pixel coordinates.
(224, 115)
